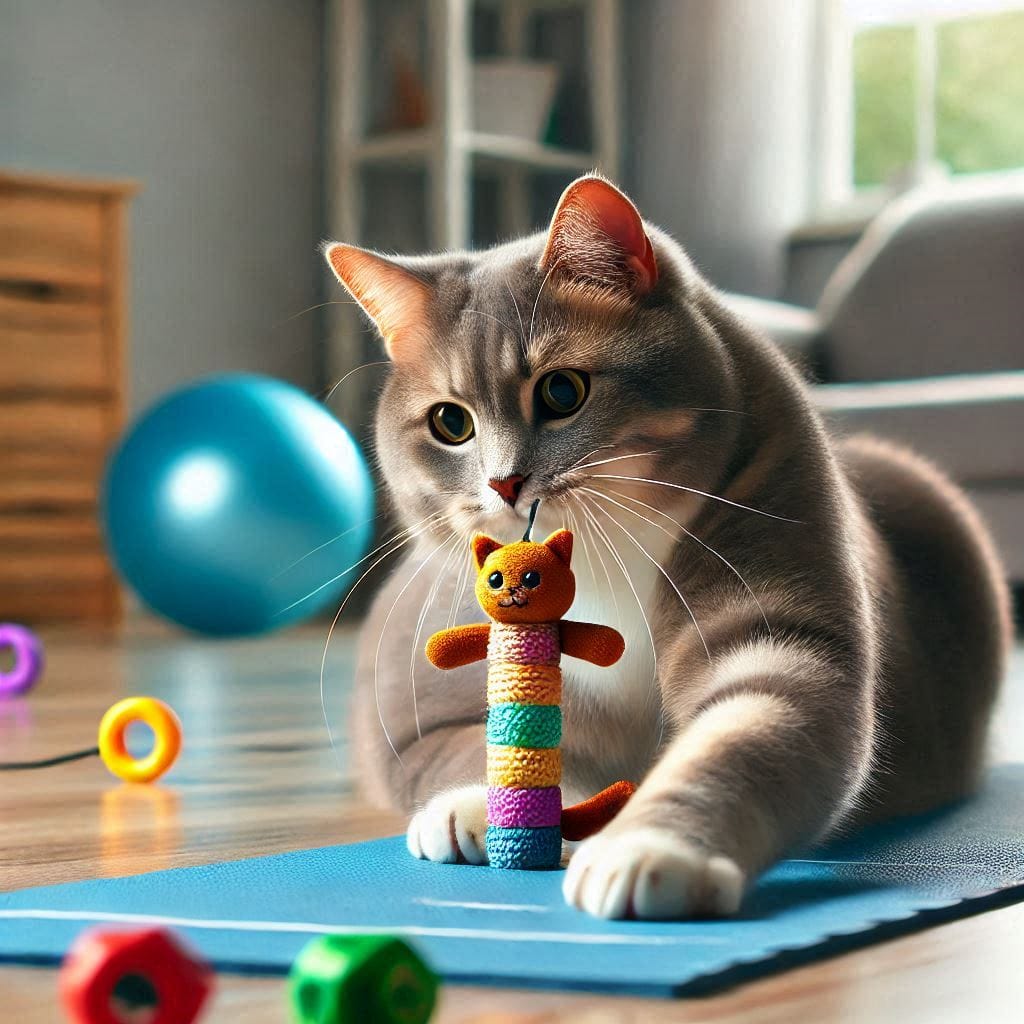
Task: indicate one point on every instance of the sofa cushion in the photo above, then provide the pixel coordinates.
(934, 287)
(972, 426)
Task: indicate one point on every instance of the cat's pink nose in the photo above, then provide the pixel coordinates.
(509, 487)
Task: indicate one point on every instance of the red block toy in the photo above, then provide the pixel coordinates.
(111, 976)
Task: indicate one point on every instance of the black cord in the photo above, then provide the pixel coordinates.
(78, 755)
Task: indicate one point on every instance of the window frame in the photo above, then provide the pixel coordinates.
(835, 196)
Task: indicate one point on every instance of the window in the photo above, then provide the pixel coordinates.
(937, 88)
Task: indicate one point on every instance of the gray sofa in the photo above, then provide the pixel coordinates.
(919, 336)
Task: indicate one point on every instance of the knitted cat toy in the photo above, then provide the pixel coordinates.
(525, 588)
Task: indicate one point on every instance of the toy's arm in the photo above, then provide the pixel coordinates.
(600, 645)
(461, 645)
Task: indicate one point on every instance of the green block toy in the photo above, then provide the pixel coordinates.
(361, 979)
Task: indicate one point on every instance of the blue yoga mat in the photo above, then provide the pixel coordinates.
(508, 927)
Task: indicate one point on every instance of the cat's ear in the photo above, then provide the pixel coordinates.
(560, 542)
(597, 238)
(482, 547)
(395, 299)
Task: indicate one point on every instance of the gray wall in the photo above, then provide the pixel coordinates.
(718, 128)
(214, 106)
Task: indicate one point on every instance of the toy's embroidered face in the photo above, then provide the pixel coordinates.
(524, 581)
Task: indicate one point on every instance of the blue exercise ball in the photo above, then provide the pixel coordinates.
(235, 505)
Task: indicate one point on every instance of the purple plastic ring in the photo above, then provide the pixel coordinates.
(28, 659)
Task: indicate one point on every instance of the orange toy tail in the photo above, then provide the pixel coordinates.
(590, 816)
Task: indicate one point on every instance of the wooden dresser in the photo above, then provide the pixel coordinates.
(63, 321)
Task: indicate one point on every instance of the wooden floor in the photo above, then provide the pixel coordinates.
(257, 776)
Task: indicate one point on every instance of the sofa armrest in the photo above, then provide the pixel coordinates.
(932, 288)
(969, 424)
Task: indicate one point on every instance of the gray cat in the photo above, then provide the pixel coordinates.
(816, 629)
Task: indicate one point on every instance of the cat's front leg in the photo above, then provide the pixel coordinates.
(451, 828)
(776, 751)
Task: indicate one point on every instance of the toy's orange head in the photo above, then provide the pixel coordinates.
(525, 581)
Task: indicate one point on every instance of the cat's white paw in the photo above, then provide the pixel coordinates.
(650, 873)
(452, 827)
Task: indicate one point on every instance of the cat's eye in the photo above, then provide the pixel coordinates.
(495, 580)
(450, 423)
(562, 392)
(531, 580)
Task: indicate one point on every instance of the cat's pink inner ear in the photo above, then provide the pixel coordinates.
(597, 237)
(394, 299)
(482, 547)
(560, 542)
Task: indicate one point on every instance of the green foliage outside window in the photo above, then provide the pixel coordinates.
(980, 93)
(883, 97)
(979, 96)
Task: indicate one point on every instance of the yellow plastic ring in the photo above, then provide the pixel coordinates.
(166, 738)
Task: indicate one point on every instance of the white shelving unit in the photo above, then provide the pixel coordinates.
(448, 149)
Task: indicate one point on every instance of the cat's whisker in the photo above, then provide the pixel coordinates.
(491, 316)
(600, 447)
(428, 522)
(655, 689)
(603, 536)
(326, 544)
(604, 567)
(462, 592)
(540, 292)
(577, 533)
(522, 329)
(692, 536)
(697, 408)
(384, 628)
(337, 384)
(428, 603)
(655, 693)
(617, 558)
(317, 305)
(327, 644)
(458, 593)
(693, 490)
(619, 458)
(663, 571)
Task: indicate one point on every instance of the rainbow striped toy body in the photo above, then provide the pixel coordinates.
(525, 588)
(524, 730)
